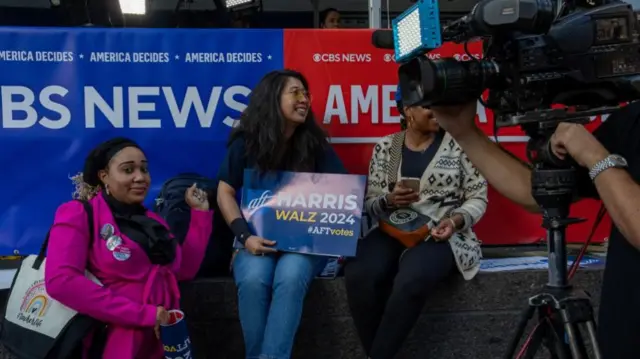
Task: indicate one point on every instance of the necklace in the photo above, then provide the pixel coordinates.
(422, 151)
(418, 149)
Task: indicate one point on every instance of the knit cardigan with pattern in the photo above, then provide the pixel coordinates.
(450, 185)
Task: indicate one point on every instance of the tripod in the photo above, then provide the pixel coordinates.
(561, 309)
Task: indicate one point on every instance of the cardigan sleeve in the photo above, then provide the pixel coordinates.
(376, 182)
(474, 188)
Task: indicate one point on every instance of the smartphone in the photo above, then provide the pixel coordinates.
(410, 182)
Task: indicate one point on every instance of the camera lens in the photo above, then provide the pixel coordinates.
(445, 81)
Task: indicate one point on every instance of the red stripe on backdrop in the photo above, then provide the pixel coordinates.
(353, 86)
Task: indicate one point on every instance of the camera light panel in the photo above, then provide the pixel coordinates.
(408, 35)
(417, 30)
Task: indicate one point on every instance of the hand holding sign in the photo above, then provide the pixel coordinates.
(259, 246)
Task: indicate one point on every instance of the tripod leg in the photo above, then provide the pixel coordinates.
(554, 339)
(591, 332)
(545, 333)
(536, 340)
(574, 313)
(527, 314)
(576, 342)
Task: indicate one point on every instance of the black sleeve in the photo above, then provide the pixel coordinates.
(232, 168)
(617, 134)
(330, 162)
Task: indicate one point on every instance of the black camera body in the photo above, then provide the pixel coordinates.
(587, 59)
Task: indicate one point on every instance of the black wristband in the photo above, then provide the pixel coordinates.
(240, 229)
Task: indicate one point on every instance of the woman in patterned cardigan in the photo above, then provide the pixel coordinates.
(387, 284)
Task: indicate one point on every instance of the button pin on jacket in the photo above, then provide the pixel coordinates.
(113, 242)
(106, 231)
(121, 253)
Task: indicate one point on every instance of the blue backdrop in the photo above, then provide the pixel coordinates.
(62, 91)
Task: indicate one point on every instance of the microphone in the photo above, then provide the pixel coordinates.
(383, 39)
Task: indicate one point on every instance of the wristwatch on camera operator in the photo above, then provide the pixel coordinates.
(611, 161)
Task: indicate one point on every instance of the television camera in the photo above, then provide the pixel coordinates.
(543, 63)
(584, 56)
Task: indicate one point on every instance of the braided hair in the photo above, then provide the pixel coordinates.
(87, 183)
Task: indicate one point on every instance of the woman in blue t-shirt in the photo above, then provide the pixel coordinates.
(277, 132)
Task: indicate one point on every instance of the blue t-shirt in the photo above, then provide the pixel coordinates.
(236, 161)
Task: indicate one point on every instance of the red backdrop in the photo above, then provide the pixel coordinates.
(353, 86)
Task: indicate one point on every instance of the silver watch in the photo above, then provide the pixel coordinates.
(611, 161)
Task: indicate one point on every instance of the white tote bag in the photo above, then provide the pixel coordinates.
(35, 325)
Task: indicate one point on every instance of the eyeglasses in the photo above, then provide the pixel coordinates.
(301, 94)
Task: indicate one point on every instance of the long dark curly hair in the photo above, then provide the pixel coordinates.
(262, 126)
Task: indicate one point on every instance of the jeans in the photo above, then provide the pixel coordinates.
(387, 286)
(271, 292)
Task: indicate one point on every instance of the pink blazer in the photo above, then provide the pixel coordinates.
(133, 287)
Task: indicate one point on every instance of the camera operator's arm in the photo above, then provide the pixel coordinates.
(505, 172)
(615, 187)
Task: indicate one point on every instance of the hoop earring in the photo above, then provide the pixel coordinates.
(106, 189)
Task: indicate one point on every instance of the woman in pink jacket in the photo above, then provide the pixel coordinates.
(130, 251)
